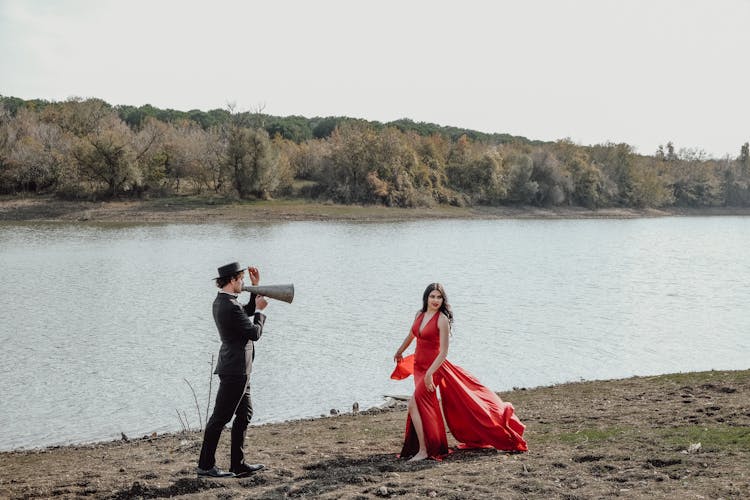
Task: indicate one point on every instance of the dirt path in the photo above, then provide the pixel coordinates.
(672, 436)
(202, 210)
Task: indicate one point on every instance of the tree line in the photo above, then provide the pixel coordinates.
(88, 149)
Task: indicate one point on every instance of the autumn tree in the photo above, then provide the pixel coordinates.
(33, 153)
(650, 187)
(589, 185)
(107, 154)
(307, 158)
(522, 188)
(552, 179)
(694, 184)
(476, 171)
(744, 158)
(616, 164)
(352, 157)
(252, 161)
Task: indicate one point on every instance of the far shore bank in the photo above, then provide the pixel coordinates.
(203, 210)
(684, 435)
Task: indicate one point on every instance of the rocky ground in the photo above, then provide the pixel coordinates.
(671, 436)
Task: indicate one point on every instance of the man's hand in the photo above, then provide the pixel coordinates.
(254, 275)
(260, 303)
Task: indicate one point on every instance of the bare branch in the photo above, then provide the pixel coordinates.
(210, 383)
(197, 408)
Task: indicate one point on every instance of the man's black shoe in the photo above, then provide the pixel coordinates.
(214, 472)
(245, 470)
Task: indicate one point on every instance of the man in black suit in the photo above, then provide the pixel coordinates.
(239, 326)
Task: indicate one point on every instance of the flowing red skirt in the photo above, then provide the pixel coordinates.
(475, 415)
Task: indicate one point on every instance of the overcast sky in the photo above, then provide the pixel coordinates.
(640, 72)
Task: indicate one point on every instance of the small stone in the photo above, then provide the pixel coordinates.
(334, 411)
(383, 491)
(185, 445)
(355, 407)
(694, 448)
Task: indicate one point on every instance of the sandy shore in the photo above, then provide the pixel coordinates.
(202, 210)
(671, 436)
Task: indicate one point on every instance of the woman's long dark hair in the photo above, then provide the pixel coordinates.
(445, 307)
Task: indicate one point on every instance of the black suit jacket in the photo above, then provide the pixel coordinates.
(239, 326)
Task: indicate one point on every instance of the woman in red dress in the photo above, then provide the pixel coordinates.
(475, 415)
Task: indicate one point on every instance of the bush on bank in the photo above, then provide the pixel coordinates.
(88, 149)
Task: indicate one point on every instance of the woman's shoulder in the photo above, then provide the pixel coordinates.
(444, 318)
(419, 311)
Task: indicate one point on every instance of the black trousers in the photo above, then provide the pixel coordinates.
(232, 398)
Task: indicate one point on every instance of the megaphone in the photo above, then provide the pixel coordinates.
(278, 292)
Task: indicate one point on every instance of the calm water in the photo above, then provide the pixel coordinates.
(102, 324)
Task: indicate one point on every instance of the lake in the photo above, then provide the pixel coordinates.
(103, 324)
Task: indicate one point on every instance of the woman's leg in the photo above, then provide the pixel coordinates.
(416, 421)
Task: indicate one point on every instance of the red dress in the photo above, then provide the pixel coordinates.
(475, 415)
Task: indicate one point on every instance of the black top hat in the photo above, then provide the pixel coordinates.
(229, 270)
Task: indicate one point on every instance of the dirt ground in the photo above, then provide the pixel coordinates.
(671, 436)
(202, 209)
